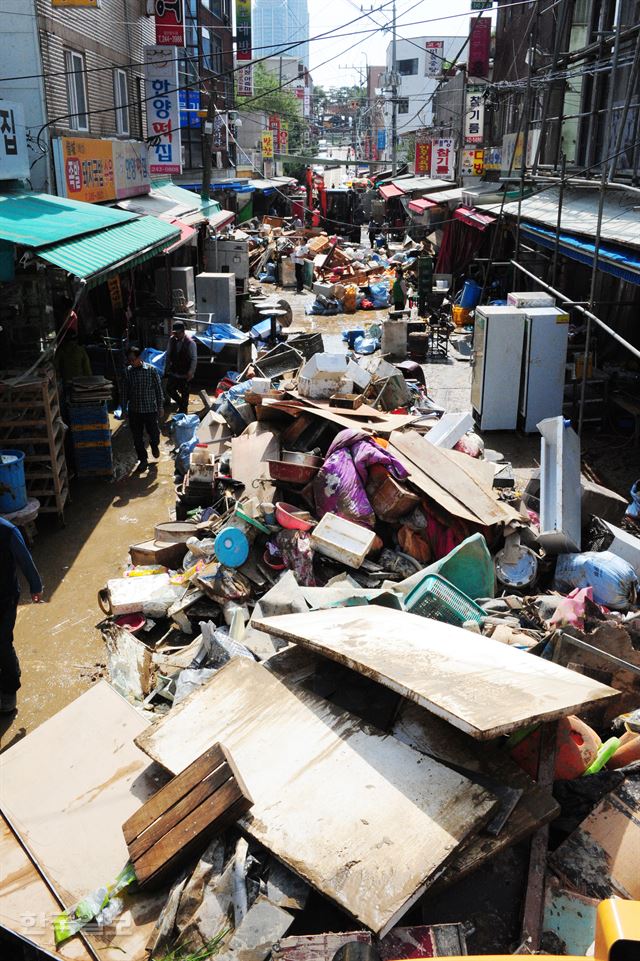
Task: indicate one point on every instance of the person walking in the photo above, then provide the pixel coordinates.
(298, 258)
(142, 403)
(14, 555)
(182, 360)
(399, 290)
(373, 230)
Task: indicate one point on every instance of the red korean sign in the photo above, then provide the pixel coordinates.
(479, 47)
(423, 157)
(170, 23)
(274, 127)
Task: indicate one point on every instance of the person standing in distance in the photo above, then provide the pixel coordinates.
(142, 403)
(298, 257)
(14, 554)
(182, 360)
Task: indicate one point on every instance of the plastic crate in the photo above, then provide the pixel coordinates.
(437, 598)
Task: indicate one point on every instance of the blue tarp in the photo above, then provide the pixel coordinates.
(619, 262)
(155, 358)
(216, 336)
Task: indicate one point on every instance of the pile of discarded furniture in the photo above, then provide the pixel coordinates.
(359, 664)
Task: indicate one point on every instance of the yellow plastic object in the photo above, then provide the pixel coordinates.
(617, 926)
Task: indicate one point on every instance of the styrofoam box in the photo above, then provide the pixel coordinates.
(530, 298)
(342, 540)
(128, 595)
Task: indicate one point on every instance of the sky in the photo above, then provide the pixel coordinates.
(329, 14)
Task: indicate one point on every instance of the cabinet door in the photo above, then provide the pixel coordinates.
(477, 360)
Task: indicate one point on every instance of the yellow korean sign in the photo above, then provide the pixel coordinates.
(87, 169)
(267, 145)
(75, 3)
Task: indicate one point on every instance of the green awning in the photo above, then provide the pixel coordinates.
(187, 197)
(37, 220)
(98, 256)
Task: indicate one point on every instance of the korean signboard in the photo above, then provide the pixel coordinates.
(284, 136)
(243, 30)
(512, 149)
(472, 162)
(493, 158)
(479, 47)
(434, 58)
(189, 101)
(443, 159)
(97, 171)
(382, 139)
(481, 4)
(163, 110)
(306, 102)
(474, 114)
(244, 79)
(169, 23)
(423, 157)
(267, 145)
(14, 157)
(219, 135)
(274, 127)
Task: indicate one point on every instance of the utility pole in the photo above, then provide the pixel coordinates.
(394, 99)
(207, 146)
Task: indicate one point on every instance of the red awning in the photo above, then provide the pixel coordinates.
(420, 205)
(390, 190)
(186, 233)
(473, 217)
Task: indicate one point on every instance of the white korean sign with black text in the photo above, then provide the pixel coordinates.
(163, 110)
(474, 114)
(434, 58)
(14, 156)
(443, 159)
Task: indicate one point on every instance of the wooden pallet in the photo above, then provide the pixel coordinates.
(185, 814)
(31, 421)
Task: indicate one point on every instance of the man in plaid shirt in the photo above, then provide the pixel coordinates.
(142, 402)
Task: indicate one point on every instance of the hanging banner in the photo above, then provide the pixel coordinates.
(423, 157)
(267, 145)
(479, 47)
(14, 155)
(472, 162)
(434, 58)
(244, 79)
(274, 126)
(443, 159)
(243, 30)
(474, 114)
(169, 23)
(284, 136)
(382, 139)
(163, 110)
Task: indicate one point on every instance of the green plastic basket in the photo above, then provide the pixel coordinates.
(437, 598)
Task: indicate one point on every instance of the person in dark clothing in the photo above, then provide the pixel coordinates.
(373, 230)
(399, 290)
(182, 360)
(142, 402)
(14, 554)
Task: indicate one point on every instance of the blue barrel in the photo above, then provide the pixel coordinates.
(13, 489)
(470, 294)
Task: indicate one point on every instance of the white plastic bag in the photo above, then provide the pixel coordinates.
(614, 582)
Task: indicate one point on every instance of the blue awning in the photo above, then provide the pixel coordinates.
(612, 260)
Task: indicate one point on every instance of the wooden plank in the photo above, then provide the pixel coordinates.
(173, 791)
(600, 859)
(479, 685)
(66, 789)
(445, 478)
(355, 813)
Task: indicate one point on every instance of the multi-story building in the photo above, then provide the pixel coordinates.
(419, 62)
(279, 23)
(83, 74)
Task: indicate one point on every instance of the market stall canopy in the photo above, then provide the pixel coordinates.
(446, 196)
(474, 218)
(579, 214)
(37, 220)
(186, 235)
(618, 262)
(221, 219)
(420, 205)
(170, 202)
(390, 190)
(100, 255)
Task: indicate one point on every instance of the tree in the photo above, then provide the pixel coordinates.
(270, 97)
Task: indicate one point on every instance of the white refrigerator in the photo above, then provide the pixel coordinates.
(496, 366)
(546, 331)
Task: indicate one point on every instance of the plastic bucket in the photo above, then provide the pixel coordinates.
(13, 489)
(470, 294)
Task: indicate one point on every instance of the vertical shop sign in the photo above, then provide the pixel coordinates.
(14, 156)
(382, 139)
(479, 47)
(423, 157)
(472, 162)
(245, 81)
(169, 23)
(474, 115)
(163, 110)
(443, 159)
(243, 30)
(284, 136)
(434, 58)
(274, 127)
(267, 145)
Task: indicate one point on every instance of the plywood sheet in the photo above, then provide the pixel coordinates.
(66, 789)
(480, 686)
(27, 906)
(249, 455)
(363, 818)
